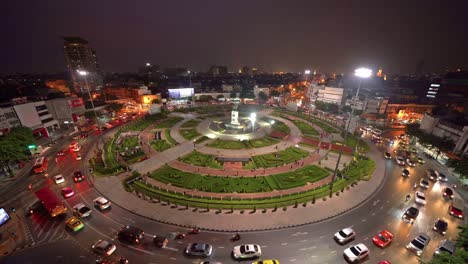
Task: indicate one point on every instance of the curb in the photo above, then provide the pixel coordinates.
(18, 249)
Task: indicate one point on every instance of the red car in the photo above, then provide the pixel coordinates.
(455, 211)
(383, 239)
(385, 262)
(67, 192)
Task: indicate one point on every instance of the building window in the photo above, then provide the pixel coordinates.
(43, 113)
(41, 107)
(47, 120)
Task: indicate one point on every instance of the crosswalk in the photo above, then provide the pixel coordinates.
(45, 230)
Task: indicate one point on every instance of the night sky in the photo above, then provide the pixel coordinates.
(331, 36)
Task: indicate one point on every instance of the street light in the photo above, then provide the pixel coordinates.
(361, 73)
(190, 79)
(85, 77)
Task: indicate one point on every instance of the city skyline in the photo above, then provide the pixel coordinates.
(273, 36)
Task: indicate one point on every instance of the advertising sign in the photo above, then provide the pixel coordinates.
(77, 102)
(180, 93)
(4, 217)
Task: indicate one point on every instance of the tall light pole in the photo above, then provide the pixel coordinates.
(361, 73)
(190, 79)
(85, 77)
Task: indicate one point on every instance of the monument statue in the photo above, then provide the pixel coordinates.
(234, 112)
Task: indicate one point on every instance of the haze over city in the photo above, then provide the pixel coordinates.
(287, 36)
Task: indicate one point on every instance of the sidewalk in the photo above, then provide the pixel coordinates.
(227, 221)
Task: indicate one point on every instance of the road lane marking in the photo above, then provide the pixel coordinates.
(292, 260)
(304, 240)
(333, 251)
(363, 220)
(284, 244)
(172, 258)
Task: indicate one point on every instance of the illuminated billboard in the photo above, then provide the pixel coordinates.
(4, 217)
(180, 93)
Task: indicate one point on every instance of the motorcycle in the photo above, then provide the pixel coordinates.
(123, 260)
(194, 231)
(235, 237)
(180, 235)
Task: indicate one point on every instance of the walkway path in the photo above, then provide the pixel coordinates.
(313, 158)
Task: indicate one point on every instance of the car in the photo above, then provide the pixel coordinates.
(410, 162)
(420, 198)
(356, 253)
(455, 211)
(73, 145)
(67, 192)
(385, 262)
(413, 150)
(74, 223)
(130, 234)
(441, 226)
(447, 193)
(419, 243)
(405, 173)
(59, 179)
(102, 203)
(387, 155)
(78, 176)
(76, 148)
(424, 183)
(410, 215)
(420, 160)
(442, 177)
(104, 247)
(445, 246)
(431, 174)
(81, 210)
(400, 160)
(78, 157)
(246, 251)
(345, 235)
(267, 261)
(383, 239)
(199, 249)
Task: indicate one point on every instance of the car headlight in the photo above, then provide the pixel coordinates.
(435, 228)
(443, 233)
(419, 252)
(408, 246)
(460, 216)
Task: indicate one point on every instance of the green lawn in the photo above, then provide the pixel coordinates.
(201, 139)
(191, 123)
(167, 134)
(305, 128)
(160, 145)
(281, 181)
(353, 141)
(362, 169)
(168, 123)
(245, 144)
(189, 134)
(322, 124)
(128, 142)
(279, 158)
(202, 160)
(327, 128)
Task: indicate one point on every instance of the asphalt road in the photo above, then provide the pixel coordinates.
(307, 244)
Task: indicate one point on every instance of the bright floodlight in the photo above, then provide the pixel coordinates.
(148, 64)
(307, 72)
(82, 73)
(253, 115)
(363, 72)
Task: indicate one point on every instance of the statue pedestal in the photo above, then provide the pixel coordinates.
(235, 118)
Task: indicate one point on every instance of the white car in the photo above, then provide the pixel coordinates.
(356, 253)
(400, 160)
(345, 235)
(59, 179)
(81, 210)
(419, 243)
(104, 247)
(420, 198)
(247, 251)
(102, 203)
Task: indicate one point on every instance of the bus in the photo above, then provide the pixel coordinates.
(40, 165)
(53, 204)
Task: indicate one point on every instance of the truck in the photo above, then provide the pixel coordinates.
(51, 202)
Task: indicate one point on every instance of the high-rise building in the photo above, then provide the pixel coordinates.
(79, 56)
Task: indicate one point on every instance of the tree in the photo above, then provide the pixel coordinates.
(262, 97)
(156, 101)
(14, 146)
(460, 257)
(459, 166)
(116, 107)
(205, 98)
(274, 93)
(462, 238)
(219, 96)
